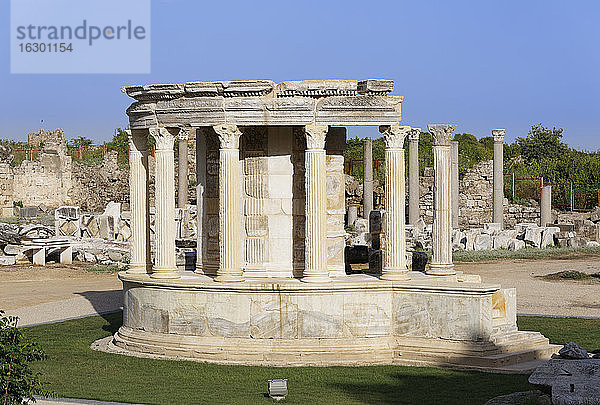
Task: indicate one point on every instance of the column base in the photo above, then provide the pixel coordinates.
(227, 277)
(165, 274)
(139, 268)
(395, 275)
(316, 278)
(440, 270)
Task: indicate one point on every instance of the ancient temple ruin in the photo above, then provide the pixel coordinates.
(269, 285)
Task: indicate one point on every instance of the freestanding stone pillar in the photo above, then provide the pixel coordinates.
(498, 191)
(182, 178)
(230, 245)
(441, 262)
(164, 265)
(394, 259)
(367, 177)
(454, 174)
(200, 187)
(546, 206)
(138, 202)
(414, 189)
(315, 267)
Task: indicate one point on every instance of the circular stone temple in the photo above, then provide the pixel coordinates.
(269, 285)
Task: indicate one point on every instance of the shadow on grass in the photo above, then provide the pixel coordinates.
(108, 304)
(434, 386)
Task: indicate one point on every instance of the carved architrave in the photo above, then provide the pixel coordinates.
(442, 133)
(498, 135)
(394, 135)
(164, 139)
(315, 135)
(414, 134)
(229, 136)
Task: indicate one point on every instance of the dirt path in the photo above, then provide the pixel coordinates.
(539, 296)
(26, 285)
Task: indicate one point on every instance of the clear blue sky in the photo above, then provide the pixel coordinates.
(478, 64)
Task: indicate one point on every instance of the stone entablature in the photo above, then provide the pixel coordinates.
(263, 102)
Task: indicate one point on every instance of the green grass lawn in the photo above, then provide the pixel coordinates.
(526, 253)
(74, 370)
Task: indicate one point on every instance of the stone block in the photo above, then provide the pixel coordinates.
(257, 226)
(548, 236)
(356, 254)
(375, 261)
(280, 186)
(501, 241)
(516, 244)
(376, 219)
(106, 226)
(570, 381)
(533, 236)
(7, 260)
(492, 227)
(482, 242)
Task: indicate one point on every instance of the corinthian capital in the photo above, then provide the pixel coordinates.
(315, 136)
(394, 135)
(164, 139)
(229, 136)
(414, 134)
(184, 134)
(442, 133)
(498, 135)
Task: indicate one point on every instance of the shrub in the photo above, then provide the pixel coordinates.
(17, 381)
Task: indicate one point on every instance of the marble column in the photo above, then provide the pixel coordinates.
(454, 182)
(546, 206)
(182, 178)
(414, 189)
(367, 178)
(138, 202)
(498, 190)
(441, 262)
(394, 254)
(315, 266)
(230, 245)
(200, 209)
(164, 197)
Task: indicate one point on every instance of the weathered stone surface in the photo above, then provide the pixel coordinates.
(7, 260)
(516, 244)
(534, 397)
(572, 351)
(482, 242)
(533, 236)
(571, 381)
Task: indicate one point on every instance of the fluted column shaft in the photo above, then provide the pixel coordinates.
(230, 248)
(454, 181)
(441, 262)
(182, 178)
(498, 190)
(200, 187)
(394, 259)
(315, 268)
(138, 202)
(164, 196)
(413, 176)
(367, 178)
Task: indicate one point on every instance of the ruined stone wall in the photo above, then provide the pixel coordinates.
(475, 195)
(94, 186)
(44, 181)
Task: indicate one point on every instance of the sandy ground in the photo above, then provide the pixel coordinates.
(538, 296)
(44, 294)
(56, 292)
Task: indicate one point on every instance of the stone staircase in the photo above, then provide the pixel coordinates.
(506, 352)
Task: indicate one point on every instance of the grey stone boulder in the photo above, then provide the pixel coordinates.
(572, 351)
(501, 241)
(516, 244)
(576, 242)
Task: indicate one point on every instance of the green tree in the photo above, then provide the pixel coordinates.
(80, 141)
(542, 142)
(17, 381)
